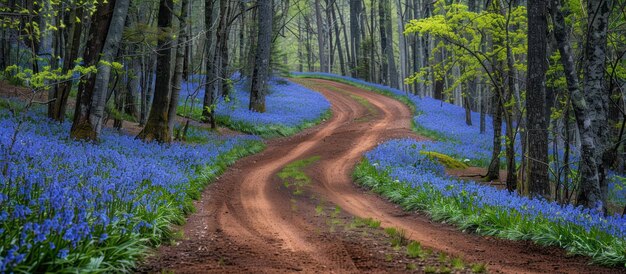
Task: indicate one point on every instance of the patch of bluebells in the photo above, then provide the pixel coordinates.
(287, 104)
(59, 197)
(401, 160)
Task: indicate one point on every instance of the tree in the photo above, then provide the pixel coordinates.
(105, 34)
(356, 9)
(61, 92)
(590, 104)
(157, 126)
(389, 70)
(177, 78)
(260, 73)
(321, 37)
(537, 132)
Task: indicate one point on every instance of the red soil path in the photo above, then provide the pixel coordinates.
(248, 221)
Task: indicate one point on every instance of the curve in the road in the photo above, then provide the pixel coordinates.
(246, 221)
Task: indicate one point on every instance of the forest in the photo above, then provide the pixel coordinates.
(427, 136)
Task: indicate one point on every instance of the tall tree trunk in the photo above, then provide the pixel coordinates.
(260, 74)
(157, 126)
(593, 110)
(210, 95)
(321, 37)
(402, 45)
(81, 127)
(537, 159)
(300, 45)
(342, 63)
(389, 69)
(109, 51)
(355, 34)
(177, 78)
(493, 172)
(348, 59)
(382, 21)
(590, 105)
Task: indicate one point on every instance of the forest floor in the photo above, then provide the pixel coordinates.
(251, 220)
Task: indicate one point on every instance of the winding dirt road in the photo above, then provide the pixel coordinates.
(249, 221)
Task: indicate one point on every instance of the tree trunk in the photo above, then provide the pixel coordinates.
(389, 70)
(81, 127)
(348, 59)
(591, 106)
(402, 46)
(260, 74)
(157, 126)
(177, 78)
(537, 159)
(109, 51)
(355, 34)
(593, 110)
(493, 172)
(210, 95)
(321, 36)
(483, 107)
(342, 63)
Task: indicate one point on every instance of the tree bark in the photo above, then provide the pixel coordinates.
(493, 172)
(591, 106)
(342, 63)
(109, 51)
(537, 159)
(321, 37)
(177, 78)
(260, 74)
(82, 128)
(355, 35)
(157, 126)
(389, 70)
(210, 95)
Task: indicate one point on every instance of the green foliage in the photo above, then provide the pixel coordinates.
(43, 79)
(463, 35)
(414, 250)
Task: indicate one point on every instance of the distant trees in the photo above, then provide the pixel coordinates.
(487, 42)
(554, 89)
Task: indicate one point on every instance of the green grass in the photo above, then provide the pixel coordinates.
(414, 250)
(397, 237)
(479, 268)
(365, 222)
(601, 247)
(293, 174)
(430, 269)
(457, 263)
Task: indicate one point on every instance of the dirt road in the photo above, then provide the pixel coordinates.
(250, 221)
